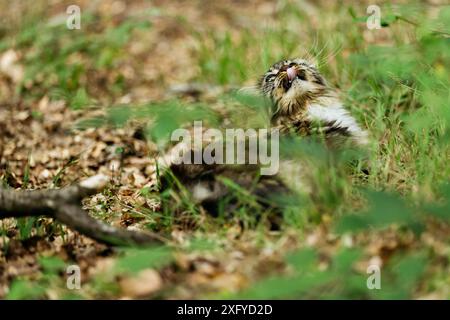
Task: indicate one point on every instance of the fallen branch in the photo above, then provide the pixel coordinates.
(64, 205)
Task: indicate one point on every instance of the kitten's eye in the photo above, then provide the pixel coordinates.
(270, 77)
(302, 75)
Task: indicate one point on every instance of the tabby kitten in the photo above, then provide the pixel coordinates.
(303, 104)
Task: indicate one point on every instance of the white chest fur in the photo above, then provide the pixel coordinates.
(339, 117)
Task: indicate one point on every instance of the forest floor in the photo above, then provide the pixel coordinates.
(62, 99)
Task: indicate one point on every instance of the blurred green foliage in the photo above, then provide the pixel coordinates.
(135, 260)
(338, 280)
(59, 60)
(26, 289)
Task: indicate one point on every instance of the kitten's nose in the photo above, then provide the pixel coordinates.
(291, 73)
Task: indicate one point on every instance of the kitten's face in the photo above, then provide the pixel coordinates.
(291, 83)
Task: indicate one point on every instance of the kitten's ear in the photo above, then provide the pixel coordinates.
(308, 60)
(313, 61)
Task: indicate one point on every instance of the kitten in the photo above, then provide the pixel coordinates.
(303, 104)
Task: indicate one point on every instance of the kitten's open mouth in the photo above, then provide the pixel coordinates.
(287, 84)
(291, 76)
